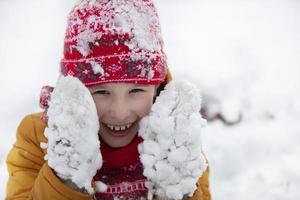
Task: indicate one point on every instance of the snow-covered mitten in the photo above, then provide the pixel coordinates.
(172, 152)
(73, 148)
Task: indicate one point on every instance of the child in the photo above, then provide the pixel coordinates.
(100, 137)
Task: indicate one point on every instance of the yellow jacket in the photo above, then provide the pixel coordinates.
(30, 177)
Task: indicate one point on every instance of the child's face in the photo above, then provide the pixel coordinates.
(120, 107)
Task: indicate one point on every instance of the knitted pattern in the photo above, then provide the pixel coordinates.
(114, 41)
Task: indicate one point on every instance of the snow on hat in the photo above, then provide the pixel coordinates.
(114, 41)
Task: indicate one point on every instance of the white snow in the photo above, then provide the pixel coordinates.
(97, 68)
(172, 140)
(121, 17)
(100, 186)
(235, 51)
(73, 148)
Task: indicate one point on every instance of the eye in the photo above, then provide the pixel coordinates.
(136, 90)
(101, 92)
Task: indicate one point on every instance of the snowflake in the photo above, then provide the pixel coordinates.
(86, 71)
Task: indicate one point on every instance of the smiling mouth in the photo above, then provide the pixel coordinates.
(119, 128)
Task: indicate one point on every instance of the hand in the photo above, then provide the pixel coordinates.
(171, 152)
(73, 149)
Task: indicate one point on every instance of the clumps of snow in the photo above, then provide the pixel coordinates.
(100, 186)
(142, 19)
(97, 68)
(87, 3)
(73, 148)
(137, 18)
(145, 68)
(172, 151)
(83, 40)
(148, 73)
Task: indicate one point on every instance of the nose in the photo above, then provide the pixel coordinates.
(120, 110)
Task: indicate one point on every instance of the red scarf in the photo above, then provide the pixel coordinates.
(122, 172)
(120, 157)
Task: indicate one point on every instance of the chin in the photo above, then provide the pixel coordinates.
(118, 144)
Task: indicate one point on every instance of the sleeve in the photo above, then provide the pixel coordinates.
(30, 177)
(202, 192)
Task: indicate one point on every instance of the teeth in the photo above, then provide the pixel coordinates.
(118, 128)
(111, 127)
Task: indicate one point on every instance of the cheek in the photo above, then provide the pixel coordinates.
(143, 107)
(99, 106)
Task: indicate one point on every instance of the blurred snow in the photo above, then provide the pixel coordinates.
(243, 54)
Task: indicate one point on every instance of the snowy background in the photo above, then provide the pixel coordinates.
(243, 54)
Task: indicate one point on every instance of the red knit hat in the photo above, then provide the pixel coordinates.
(114, 41)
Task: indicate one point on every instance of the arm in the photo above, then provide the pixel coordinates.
(202, 192)
(30, 177)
